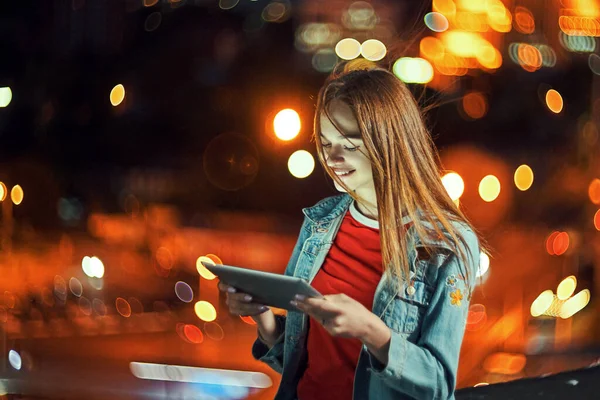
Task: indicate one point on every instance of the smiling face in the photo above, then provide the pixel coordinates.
(344, 151)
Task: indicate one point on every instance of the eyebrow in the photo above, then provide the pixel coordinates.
(354, 135)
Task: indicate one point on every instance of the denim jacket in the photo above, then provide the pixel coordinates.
(427, 317)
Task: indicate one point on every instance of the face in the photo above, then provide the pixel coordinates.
(344, 151)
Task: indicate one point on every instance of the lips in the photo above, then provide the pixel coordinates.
(343, 172)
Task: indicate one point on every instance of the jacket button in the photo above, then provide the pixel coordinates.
(410, 290)
(321, 230)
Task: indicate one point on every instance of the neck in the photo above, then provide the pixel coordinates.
(367, 209)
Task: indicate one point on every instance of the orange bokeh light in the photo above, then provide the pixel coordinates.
(594, 191)
(215, 258)
(597, 220)
(579, 26)
(193, 333)
(560, 244)
(524, 22)
(248, 320)
(432, 48)
(123, 307)
(530, 57)
(554, 101)
(475, 105)
(550, 242)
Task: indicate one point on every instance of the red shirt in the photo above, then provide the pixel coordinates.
(353, 266)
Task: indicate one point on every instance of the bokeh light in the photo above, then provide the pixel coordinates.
(505, 363)
(228, 4)
(575, 304)
(184, 292)
(117, 94)
(3, 191)
(454, 184)
(560, 245)
(324, 60)
(205, 311)
(489, 188)
(75, 287)
(5, 96)
(597, 220)
(523, 177)
(193, 334)
(594, 63)
(542, 303)
(436, 21)
(287, 124)
(96, 268)
(301, 164)
(594, 191)
(206, 274)
(215, 258)
(151, 24)
(550, 242)
(164, 258)
(248, 320)
(123, 307)
(231, 161)
(413, 70)
(484, 264)
(14, 359)
(150, 3)
(524, 21)
(373, 50)
(214, 331)
(476, 318)
(99, 307)
(16, 194)
(566, 287)
(432, 48)
(85, 306)
(348, 49)
(475, 105)
(554, 101)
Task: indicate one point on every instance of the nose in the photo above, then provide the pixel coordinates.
(335, 154)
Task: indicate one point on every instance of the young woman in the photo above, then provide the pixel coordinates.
(394, 257)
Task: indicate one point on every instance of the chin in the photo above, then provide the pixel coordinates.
(339, 188)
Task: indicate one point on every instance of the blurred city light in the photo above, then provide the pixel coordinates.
(16, 194)
(287, 124)
(276, 11)
(597, 220)
(206, 274)
(373, 50)
(228, 4)
(348, 49)
(123, 307)
(193, 333)
(432, 48)
(524, 21)
(484, 264)
(76, 287)
(92, 267)
(3, 191)
(560, 245)
(550, 242)
(413, 70)
(436, 21)
(205, 311)
(454, 184)
(542, 303)
(216, 259)
(150, 3)
(476, 317)
(594, 63)
(209, 376)
(301, 164)
(14, 359)
(214, 331)
(566, 287)
(554, 101)
(184, 292)
(575, 304)
(475, 105)
(523, 177)
(594, 191)
(489, 188)
(504, 363)
(446, 7)
(577, 44)
(247, 320)
(151, 24)
(5, 96)
(117, 94)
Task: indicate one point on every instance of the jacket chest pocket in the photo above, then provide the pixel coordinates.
(409, 306)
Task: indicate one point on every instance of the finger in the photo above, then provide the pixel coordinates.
(240, 297)
(223, 287)
(319, 304)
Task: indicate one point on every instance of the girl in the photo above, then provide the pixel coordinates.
(394, 257)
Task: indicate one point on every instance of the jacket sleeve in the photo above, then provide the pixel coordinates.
(273, 357)
(427, 369)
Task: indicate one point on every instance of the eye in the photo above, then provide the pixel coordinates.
(326, 145)
(351, 148)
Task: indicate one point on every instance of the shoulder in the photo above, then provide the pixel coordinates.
(328, 208)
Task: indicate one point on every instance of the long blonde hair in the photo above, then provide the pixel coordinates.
(404, 161)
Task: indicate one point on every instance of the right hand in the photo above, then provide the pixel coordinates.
(240, 303)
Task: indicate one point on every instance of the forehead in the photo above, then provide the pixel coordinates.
(343, 121)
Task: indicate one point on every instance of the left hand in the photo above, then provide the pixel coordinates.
(339, 314)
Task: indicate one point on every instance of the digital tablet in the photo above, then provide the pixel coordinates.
(266, 288)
